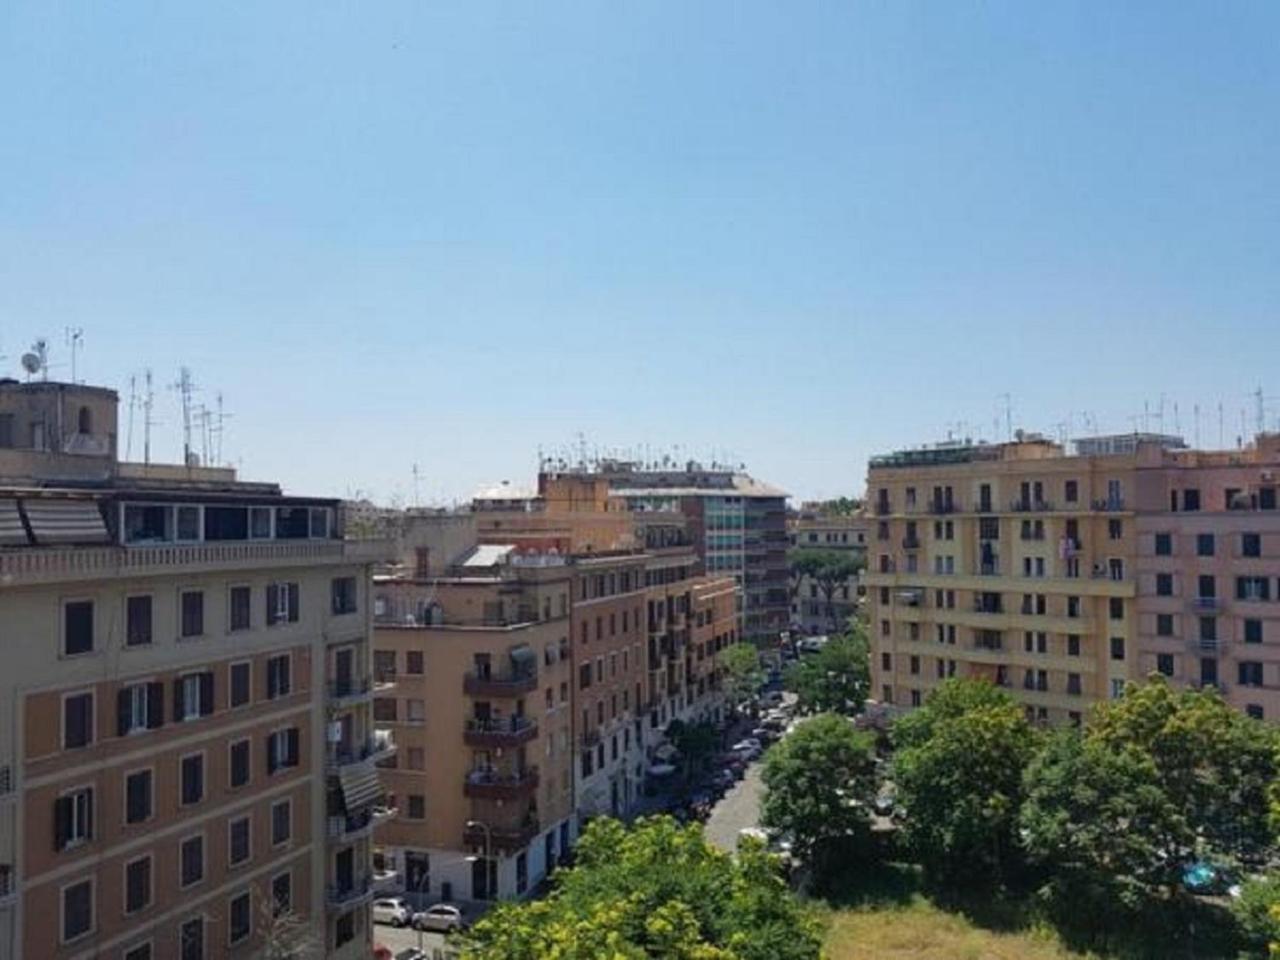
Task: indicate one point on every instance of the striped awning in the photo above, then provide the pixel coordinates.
(65, 521)
(12, 532)
(360, 786)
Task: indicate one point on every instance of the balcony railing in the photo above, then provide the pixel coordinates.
(350, 688)
(353, 826)
(502, 836)
(1206, 604)
(349, 892)
(501, 785)
(1030, 506)
(495, 685)
(378, 747)
(941, 507)
(499, 732)
(1206, 645)
(910, 543)
(1108, 505)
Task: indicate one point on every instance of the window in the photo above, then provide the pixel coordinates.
(137, 884)
(77, 628)
(1115, 529)
(73, 818)
(241, 612)
(141, 952)
(915, 665)
(1250, 545)
(238, 763)
(384, 709)
(1073, 645)
(281, 822)
(1250, 673)
(413, 662)
(282, 603)
(137, 797)
(1253, 710)
(886, 661)
(1117, 648)
(278, 678)
(415, 710)
(1253, 588)
(240, 918)
(1164, 545)
(1164, 584)
(1204, 545)
(1208, 629)
(1207, 587)
(343, 591)
(1073, 684)
(138, 621)
(282, 893)
(1164, 664)
(77, 721)
(1116, 608)
(1253, 631)
(6, 430)
(417, 806)
(77, 910)
(191, 940)
(191, 860)
(1191, 500)
(1071, 491)
(1117, 688)
(192, 603)
(192, 778)
(282, 749)
(238, 841)
(188, 523)
(139, 706)
(1164, 625)
(193, 695)
(240, 683)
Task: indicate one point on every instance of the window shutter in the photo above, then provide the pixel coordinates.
(292, 751)
(88, 808)
(206, 693)
(293, 603)
(124, 718)
(271, 678)
(155, 705)
(178, 712)
(284, 682)
(61, 822)
(271, 753)
(273, 602)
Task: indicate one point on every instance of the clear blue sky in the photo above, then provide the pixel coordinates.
(797, 232)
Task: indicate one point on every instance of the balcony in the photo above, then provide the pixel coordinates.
(1030, 506)
(378, 747)
(992, 606)
(910, 542)
(350, 691)
(942, 507)
(1206, 604)
(501, 785)
(590, 737)
(361, 824)
(384, 881)
(507, 838)
(1207, 645)
(117, 562)
(350, 893)
(1109, 505)
(989, 569)
(493, 685)
(499, 732)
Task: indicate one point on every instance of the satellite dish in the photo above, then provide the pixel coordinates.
(31, 362)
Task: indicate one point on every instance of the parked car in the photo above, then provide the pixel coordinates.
(392, 910)
(441, 916)
(746, 749)
(883, 805)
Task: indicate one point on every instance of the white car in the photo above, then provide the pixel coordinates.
(441, 916)
(392, 910)
(747, 749)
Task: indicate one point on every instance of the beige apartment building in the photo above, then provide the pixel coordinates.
(813, 527)
(1011, 562)
(1062, 577)
(187, 746)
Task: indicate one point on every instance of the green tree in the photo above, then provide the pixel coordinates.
(743, 673)
(656, 890)
(1098, 821)
(958, 773)
(829, 570)
(1215, 765)
(819, 785)
(836, 679)
(696, 743)
(1255, 912)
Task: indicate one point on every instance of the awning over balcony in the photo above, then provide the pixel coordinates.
(360, 786)
(66, 521)
(524, 654)
(12, 533)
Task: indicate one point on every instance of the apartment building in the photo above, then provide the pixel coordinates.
(814, 609)
(187, 753)
(737, 525)
(1012, 562)
(1061, 577)
(482, 712)
(1208, 571)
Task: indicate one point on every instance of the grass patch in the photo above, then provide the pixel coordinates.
(921, 931)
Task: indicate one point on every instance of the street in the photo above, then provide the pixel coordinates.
(397, 940)
(738, 809)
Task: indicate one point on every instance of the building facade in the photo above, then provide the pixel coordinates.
(815, 609)
(188, 749)
(1063, 577)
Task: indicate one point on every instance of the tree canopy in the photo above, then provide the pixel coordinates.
(743, 672)
(657, 890)
(828, 569)
(836, 678)
(819, 784)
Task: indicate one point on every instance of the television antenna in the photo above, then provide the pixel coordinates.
(148, 401)
(75, 340)
(185, 388)
(133, 405)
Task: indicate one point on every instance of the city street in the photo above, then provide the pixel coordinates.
(738, 809)
(400, 939)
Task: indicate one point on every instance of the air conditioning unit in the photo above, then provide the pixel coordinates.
(1268, 476)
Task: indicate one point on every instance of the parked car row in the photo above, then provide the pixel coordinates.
(444, 917)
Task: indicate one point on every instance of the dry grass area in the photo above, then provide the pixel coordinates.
(920, 931)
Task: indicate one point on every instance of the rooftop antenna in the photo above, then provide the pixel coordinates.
(1008, 415)
(416, 500)
(75, 340)
(37, 360)
(133, 405)
(148, 401)
(1222, 435)
(1195, 412)
(185, 388)
(219, 428)
(1177, 421)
